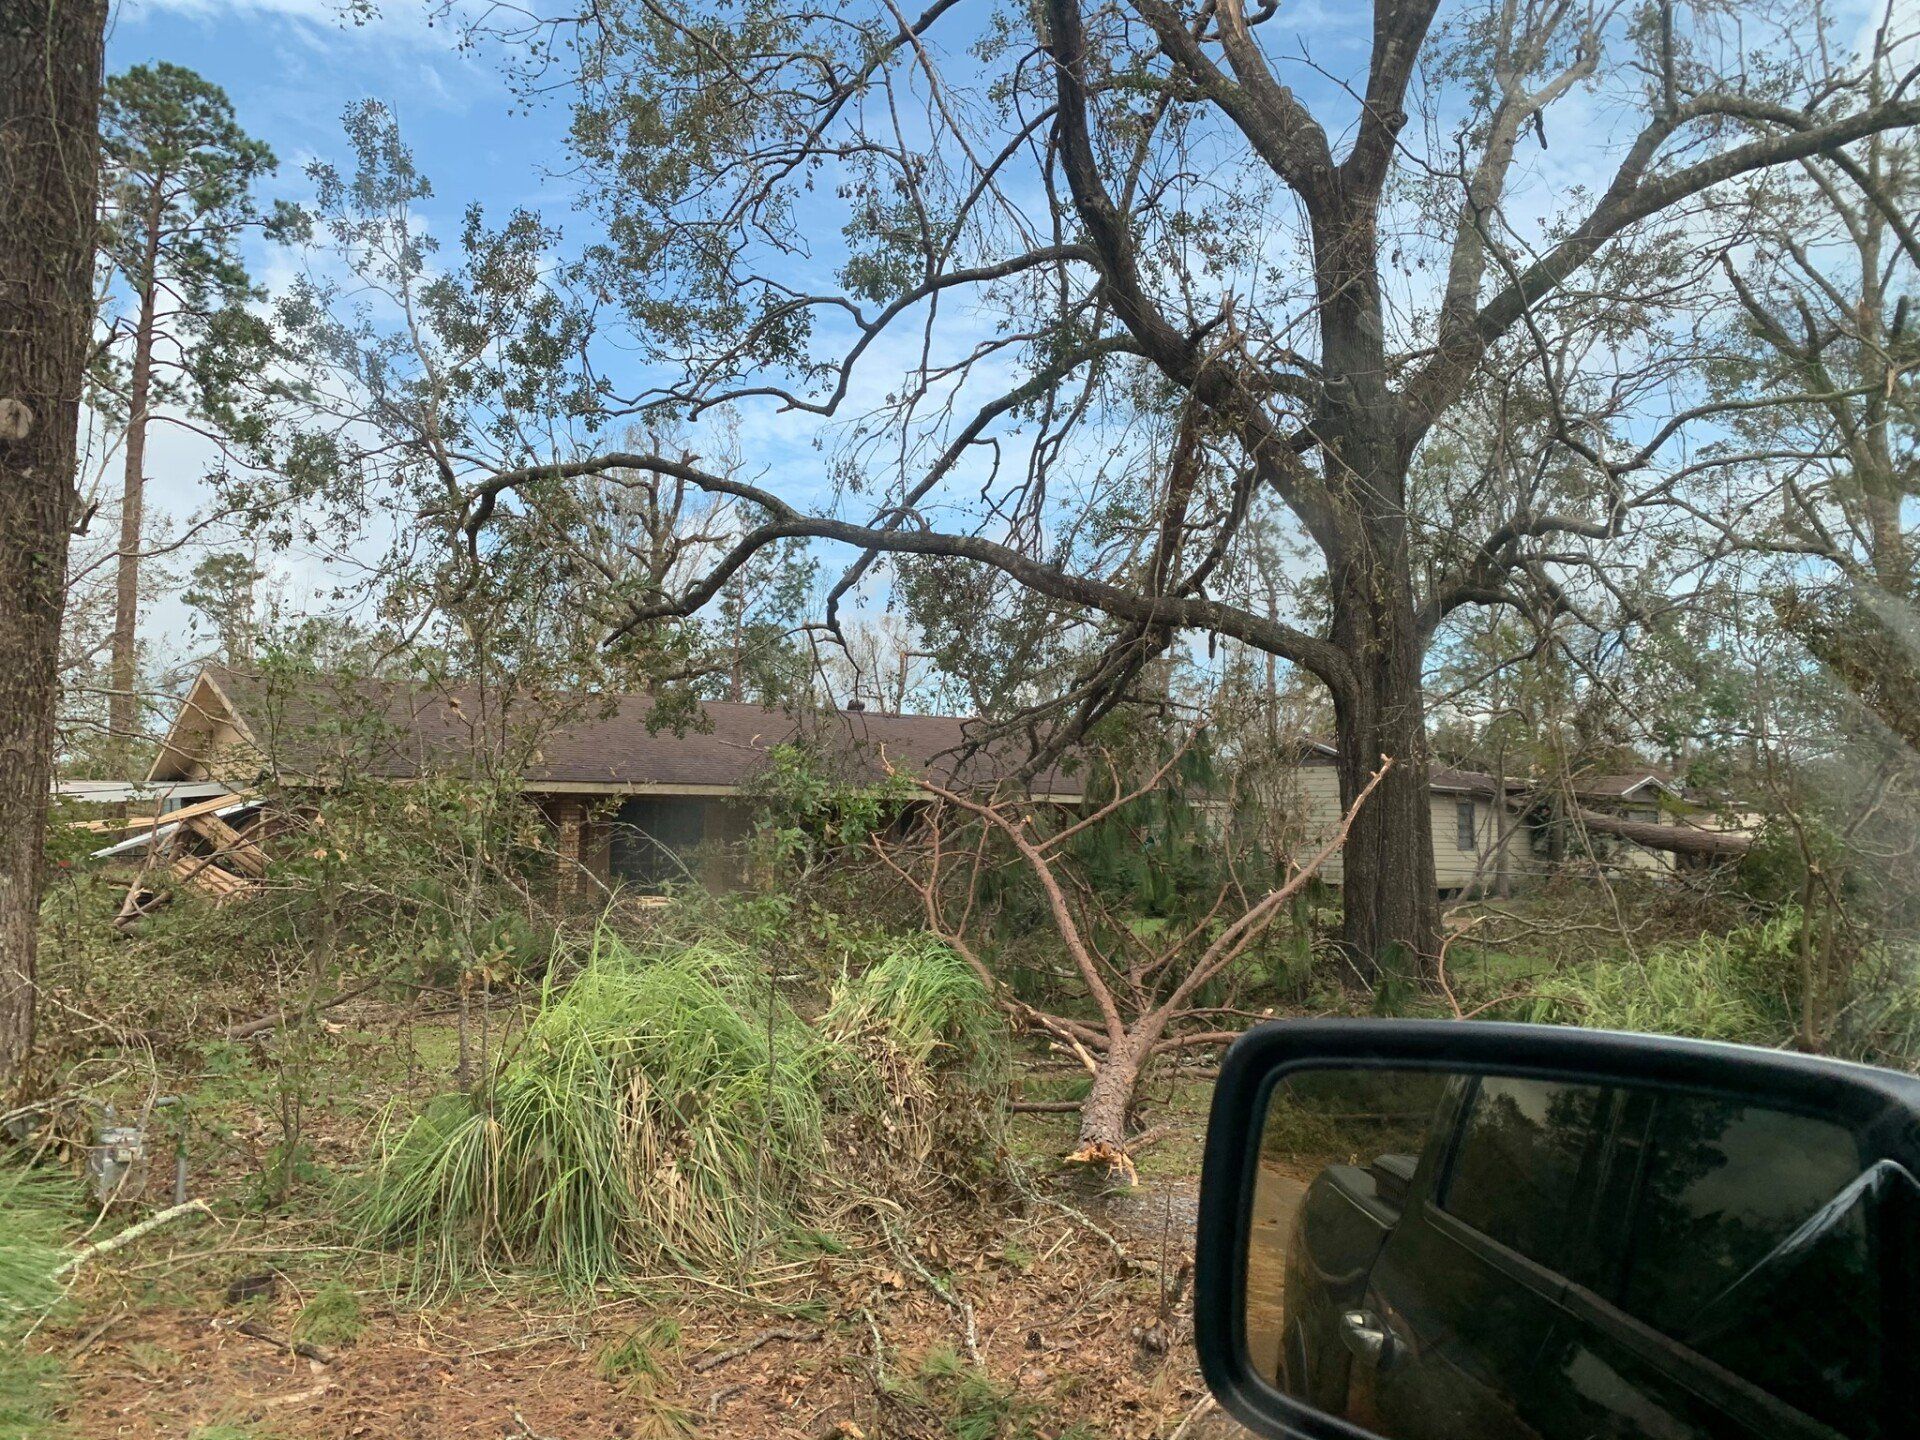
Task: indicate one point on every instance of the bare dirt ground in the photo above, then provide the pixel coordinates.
(1062, 1315)
(1071, 1332)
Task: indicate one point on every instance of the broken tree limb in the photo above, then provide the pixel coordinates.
(89, 1253)
(297, 1347)
(752, 1343)
(1674, 839)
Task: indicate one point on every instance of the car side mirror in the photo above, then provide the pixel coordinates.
(1434, 1230)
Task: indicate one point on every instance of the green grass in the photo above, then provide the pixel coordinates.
(657, 1112)
(331, 1317)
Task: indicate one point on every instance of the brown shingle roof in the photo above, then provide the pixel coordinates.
(399, 730)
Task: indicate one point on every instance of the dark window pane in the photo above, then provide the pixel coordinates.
(1517, 1174)
(652, 838)
(1463, 827)
(1754, 1243)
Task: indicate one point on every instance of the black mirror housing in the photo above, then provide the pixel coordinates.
(1880, 1107)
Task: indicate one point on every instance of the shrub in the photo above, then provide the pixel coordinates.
(1718, 987)
(658, 1109)
(667, 1108)
(924, 1052)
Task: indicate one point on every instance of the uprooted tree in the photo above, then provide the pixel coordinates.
(1144, 992)
(1149, 301)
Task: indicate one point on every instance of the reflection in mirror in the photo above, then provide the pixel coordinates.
(1435, 1256)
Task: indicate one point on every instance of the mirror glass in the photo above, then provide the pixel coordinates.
(1435, 1256)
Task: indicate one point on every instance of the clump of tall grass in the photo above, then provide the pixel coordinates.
(923, 1053)
(667, 1109)
(34, 1213)
(659, 1111)
(1717, 987)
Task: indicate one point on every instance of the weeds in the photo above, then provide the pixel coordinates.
(924, 1052)
(666, 1108)
(331, 1317)
(659, 1109)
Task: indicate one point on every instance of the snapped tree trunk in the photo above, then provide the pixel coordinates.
(50, 78)
(1103, 1115)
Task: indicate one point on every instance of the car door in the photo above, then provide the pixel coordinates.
(1469, 1286)
(1743, 1292)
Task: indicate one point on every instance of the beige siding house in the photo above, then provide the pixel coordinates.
(1467, 821)
(1460, 810)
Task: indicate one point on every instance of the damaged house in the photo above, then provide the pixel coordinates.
(629, 804)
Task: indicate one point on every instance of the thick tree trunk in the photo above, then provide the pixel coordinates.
(50, 80)
(1390, 913)
(1103, 1115)
(1682, 840)
(123, 711)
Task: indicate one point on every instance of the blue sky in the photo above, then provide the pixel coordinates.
(292, 66)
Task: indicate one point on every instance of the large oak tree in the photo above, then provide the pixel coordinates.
(1092, 292)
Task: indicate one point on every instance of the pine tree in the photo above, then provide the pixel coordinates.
(180, 194)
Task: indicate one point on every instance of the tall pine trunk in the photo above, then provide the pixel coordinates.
(123, 705)
(50, 79)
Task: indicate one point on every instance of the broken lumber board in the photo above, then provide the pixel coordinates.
(200, 870)
(229, 844)
(133, 823)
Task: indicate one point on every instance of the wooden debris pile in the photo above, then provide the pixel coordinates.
(217, 847)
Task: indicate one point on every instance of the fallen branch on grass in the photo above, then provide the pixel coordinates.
(296, 1347)
(751, 1344)
(87, 1253)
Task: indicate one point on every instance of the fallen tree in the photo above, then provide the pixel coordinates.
(1143, 993)
(1682, 840)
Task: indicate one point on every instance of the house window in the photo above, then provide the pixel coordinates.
(652, 840)
(1465, 832)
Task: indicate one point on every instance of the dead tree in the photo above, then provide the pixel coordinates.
(1144, 995)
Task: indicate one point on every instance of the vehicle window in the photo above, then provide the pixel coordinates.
(1753, 1242)
(1518, 1170)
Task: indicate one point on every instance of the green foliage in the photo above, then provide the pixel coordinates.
(807, 812)
(921, 1047)
(1160, 854)
(666, 1108)
(332, 1317)
(35, 1212)
(660, 1107)
(1718, 987)
(29, 1395)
